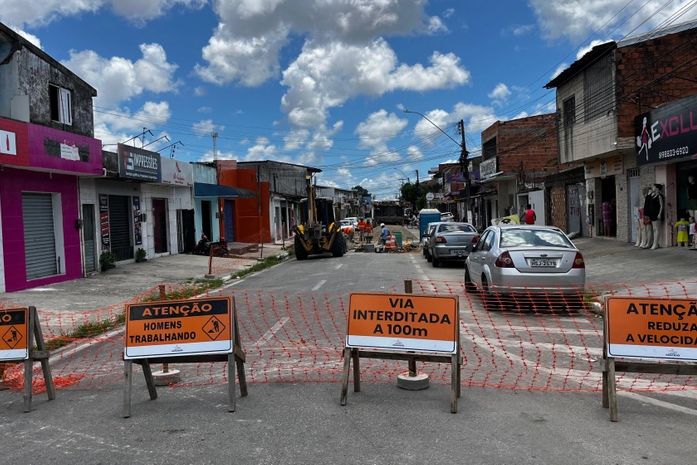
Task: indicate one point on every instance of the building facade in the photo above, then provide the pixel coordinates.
(599, 99)
(517, 155)
(46, 148)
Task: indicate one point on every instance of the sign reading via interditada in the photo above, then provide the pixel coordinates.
(403, 322)
(179, 328)
(652, 328)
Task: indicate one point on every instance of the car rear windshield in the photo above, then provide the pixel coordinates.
(533, 238)
(451, 227)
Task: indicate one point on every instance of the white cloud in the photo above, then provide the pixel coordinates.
(476, 118)
(221, 155)
(448, 12)
(121, 124)
(344, 173)
(575, 19)
(344, 54)
(199, 91)
(414, 153)
(118, 79)
(206, 127)
(500, 93)
(296, 139)
(374, 134)
(24, 12)
(583, 50)
(435, 25)
(522, 30)
(204, 109)
(559, 70)
(326, 75)
(263, 149)
(30, 37)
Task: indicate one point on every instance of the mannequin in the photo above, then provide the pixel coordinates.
(692, 202)
(646, 229)
(653, 209)
(640, 227)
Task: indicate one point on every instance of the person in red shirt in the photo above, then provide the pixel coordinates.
(529, 216)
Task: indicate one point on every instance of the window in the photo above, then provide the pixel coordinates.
(568, 120)
(61, 104)
(598, 89)
(454, 227)
(533, 238)
(569, 111)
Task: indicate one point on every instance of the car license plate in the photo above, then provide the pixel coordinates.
(459, 252)
(543, 262)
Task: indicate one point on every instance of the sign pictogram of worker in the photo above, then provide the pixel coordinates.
(179, 328)
(13, 334)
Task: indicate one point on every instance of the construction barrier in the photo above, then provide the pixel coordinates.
(647, 335)
(551, 342)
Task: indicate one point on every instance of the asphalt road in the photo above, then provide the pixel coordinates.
(292, 318)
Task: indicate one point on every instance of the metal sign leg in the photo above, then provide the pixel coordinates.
(345, 379)
(127, 387)
(231, 381)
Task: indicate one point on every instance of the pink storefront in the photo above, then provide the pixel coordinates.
(39, 203)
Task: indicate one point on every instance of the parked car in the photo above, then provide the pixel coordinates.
(525, 259)
(347, 227)
(450, 241)
(447, 216)
(353, 220)
(424, 240)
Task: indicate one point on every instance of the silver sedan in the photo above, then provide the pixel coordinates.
(524, 259)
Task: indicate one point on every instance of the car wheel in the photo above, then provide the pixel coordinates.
(428, 257)
(435, 262)
(469, 285)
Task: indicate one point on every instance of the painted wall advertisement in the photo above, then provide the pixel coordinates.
(137, 226)
(139, 164)
(104, 220)
(667, 133)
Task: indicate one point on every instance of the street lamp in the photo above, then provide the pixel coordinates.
(463, 153)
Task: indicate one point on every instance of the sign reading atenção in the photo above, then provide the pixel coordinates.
(403, 322)
(179, 328)
(14, 331)
(652, 328)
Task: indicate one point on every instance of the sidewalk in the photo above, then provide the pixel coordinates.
(64, 305)
(620, 267)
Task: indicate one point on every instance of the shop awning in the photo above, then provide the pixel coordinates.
(205, 190)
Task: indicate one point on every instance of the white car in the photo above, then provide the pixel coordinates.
(352, 219)
(447, 216)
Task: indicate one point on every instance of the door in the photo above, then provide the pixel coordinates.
(188, 230)
(88, 236)
(159, 225)
(39, 235)
(634, 205)
(537, 200)
(206, 219)
(573, 208)
(228, 213)
(120, 227)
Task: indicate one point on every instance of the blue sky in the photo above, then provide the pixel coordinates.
(324, 82)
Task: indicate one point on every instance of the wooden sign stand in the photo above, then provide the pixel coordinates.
(30, 330)
(235, 361)
(352, 354)
(611, 365)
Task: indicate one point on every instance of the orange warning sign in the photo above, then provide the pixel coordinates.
(652, 328)
(14, 328)
(403, 322)
(177, 328)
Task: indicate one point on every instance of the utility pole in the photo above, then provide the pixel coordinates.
(214, 135)
(464, 163)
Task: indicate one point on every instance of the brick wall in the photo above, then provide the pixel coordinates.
(652, 73)
(557, 207)
(528, 143)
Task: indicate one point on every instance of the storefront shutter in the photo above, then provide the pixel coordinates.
(39, 235)
(120, 227)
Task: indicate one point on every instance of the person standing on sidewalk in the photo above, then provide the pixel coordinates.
(529, 216)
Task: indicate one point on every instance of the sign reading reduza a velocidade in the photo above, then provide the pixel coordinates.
(139, 164)
(667, 133)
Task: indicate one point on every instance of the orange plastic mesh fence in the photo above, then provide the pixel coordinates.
(551, 342)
